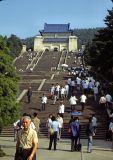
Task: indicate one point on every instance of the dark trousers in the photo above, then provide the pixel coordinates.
(72, 89)
(72, 107)
(62, 115)
(112, 141)
(74, 140)
(53, 138)
(43, 106)
(82, 104)
(109, 135)
(108, 105)
(102, 105)
(29, 99)
(23, 154)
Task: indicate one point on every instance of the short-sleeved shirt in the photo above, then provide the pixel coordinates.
(36, 122)
(75, 127)
(83, 98)
(27, 138)
(102, 100)
(49, 122)
(44, 99)
(55, 126)
(62, 90)
(73, 100)
(60, 120)
(61, 108)
(111, 126)
(95, 90)
(108, 98)
(94, 121)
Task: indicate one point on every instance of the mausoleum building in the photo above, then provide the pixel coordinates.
(56, 37)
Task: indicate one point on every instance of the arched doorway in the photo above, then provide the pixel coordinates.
(46, 50)
(56, 49)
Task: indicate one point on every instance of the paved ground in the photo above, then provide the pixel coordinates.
(101, 150)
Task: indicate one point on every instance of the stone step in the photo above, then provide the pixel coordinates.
(101, 132)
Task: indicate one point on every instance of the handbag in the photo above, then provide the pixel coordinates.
(51, 131)
(79, 146)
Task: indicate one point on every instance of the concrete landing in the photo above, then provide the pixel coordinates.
(101, 150)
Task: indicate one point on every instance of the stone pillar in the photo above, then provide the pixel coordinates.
(38, 43)
(73, 43)
(23, 48)
(83, 47)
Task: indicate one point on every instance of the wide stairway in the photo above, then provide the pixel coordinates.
(43, 71)
(101, 129)
(90, 108)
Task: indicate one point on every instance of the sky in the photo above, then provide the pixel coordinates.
(24, 18)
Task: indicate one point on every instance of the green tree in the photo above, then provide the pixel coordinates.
(9, 109)
(99, 53)
(85, 35)
(3, 44)
(15, 45)
(29, 42)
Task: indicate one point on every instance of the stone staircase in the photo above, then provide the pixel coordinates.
(101, 129)
(43, 70)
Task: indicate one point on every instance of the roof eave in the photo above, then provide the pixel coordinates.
(56, 32)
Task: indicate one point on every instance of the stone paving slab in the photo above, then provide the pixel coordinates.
(52, 58)
(34, 86)
(37, 77)
(101, 150)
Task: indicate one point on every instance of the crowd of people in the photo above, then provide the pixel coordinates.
(77, 90)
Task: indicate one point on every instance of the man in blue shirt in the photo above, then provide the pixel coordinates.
(75, 133)
(53, 135)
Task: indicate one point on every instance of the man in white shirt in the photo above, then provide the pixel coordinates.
(43, 101)
(66, 90)
(62, 92)
(73, 102)
(83, 99)
(57, 90)
(102, 101)
(60, 121)
(52, 90)
(61, 109)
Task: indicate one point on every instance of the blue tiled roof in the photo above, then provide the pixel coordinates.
(56, 27)
(61, 40)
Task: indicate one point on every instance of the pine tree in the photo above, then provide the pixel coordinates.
(99, 53)
(15, 45)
